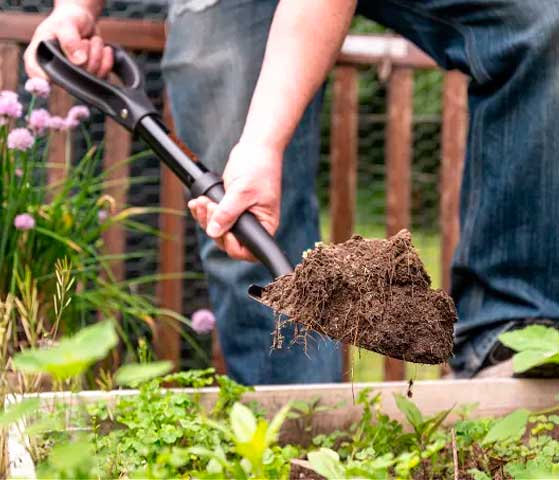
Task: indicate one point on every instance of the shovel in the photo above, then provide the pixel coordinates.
(130, 107)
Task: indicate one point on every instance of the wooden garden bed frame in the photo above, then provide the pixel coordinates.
(396, 57)
(495, 397)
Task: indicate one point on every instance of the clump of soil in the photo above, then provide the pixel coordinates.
(374, 294)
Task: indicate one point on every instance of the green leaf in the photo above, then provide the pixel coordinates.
(18, 411)
(534, 337)
(243, 423)
(135, 373)
(528, 359)
(508, 428)
(410, 410)
(533, 470)
(72, 356)
(272, 433)
(326, 462)
(72, 455)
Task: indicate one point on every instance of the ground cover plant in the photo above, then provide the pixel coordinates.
(162, 433)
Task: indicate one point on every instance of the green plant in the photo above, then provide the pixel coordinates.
(54, 273)
(535, 345)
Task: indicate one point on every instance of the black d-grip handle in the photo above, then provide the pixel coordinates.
(127, 104)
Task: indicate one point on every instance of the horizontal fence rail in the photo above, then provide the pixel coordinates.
(396, 57)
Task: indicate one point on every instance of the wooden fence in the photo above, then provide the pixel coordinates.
(396, 58)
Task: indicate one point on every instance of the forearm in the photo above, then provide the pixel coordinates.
(303, 44)
(93, 6)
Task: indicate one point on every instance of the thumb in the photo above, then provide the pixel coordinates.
(74, 46)
(226, 213)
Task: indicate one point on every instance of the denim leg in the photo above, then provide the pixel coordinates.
(506, 266)
(212, 60)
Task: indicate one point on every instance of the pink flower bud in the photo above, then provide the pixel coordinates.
(76, 115)
(38, 86)
(9, 105)
(24, 221)
(20, 139)
(39, 121)
(203, 321)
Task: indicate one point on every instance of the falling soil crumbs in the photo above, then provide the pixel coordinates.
(374, 294)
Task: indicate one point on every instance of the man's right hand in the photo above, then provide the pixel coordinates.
(74, 26)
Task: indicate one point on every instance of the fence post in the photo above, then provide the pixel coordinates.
(116, 151)
(9, 65)
(398, 153)
(167, 340)
(453, 147)
(343, 157)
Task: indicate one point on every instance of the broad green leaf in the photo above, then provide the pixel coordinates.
(253, 450)
(410, 410)
(528, 359)
(534, 337)
(18, 411)
(243, 423)
(326, 462)
(508, 428)
(136, 373)
(72, 356)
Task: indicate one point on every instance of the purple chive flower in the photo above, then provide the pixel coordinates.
(38, 87)
(57, 123)
(76, 115)
(102, 215)
(24, 221)
(19, 172)
(9, 94)
(20, 139)
(9, 106)
(39, 120)
(203, 321)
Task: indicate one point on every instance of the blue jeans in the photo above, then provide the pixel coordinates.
(506, 266)
(212, 60)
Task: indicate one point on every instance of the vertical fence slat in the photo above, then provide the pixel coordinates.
(453, 146)
(398, 153)
(343, 157)
(117, 146)
(117, 149)
(167, 341)
(59, 102)
(343, 153)
(9, 65)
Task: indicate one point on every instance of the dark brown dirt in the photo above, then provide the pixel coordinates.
(374, 294)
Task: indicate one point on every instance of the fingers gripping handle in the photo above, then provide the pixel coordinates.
(247, 229)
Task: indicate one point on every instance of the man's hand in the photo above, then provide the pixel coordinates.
(73, 24)
(252, 180)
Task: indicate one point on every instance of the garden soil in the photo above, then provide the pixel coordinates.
(374, 294)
